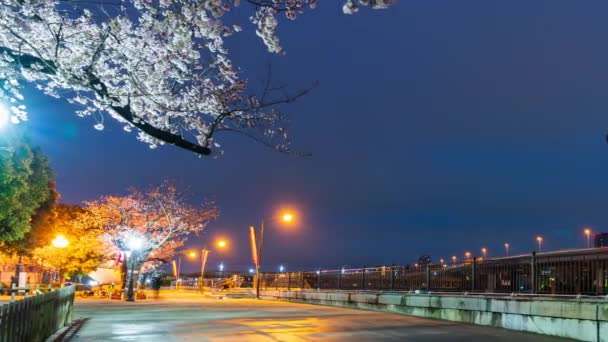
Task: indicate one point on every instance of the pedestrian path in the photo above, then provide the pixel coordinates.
(191, 317)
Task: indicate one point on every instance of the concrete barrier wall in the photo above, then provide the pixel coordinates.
(585, 320)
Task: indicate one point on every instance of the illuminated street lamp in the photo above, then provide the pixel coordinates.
(467, 255)
(588, 234)
(222, 244)
(539, 239)
(441, 261)
(454, 259)
(507, 248)
(281, 269)
(60, 241)
(484, 252)
(286, 218)
(134, 243)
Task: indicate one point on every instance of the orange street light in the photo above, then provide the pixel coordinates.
(539, 239)
(60, 241)
(484, 251)
(454, 259)
(588, 233)
(467, 255)
(286, 217)
(222, 244)
(192, 254)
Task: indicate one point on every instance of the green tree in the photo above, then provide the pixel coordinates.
(25, 185)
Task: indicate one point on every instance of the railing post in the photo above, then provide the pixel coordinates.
(363, 278)
(533, 273)
(392, 278)
(318, 280)
(428, 277)
(473, 273)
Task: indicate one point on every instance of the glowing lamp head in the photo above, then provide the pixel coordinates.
(60, 241)
(135, 243)
(287, 217)
(222, 244)
(539, 238)
(587, 231)
(192, 254)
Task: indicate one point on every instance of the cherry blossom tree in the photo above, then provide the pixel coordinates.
(157, 66)
(160, 216)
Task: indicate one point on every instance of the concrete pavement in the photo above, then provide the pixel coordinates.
(189, 317)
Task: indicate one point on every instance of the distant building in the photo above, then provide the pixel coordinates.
(600, 240)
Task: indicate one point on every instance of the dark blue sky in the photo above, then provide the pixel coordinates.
(438, 127)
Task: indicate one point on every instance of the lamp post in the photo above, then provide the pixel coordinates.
(467, 255)
(484, 252)
(134, 243)
(453, 259)
(286, 217)
(539, 239)
(588, 234)
(507, 248)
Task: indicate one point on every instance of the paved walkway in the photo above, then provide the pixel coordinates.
(192, 318)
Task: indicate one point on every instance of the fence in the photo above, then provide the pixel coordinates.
(36, 318)
(573, 272)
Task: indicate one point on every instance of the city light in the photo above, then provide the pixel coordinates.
(281, 268)
(484, 252)
(454, 259)
(539, 239)
(588, 234)
(192, 254)
(222, 267)
(251, 271)
(222, 244)
(507, 248)
(60, 241)
(467, 255)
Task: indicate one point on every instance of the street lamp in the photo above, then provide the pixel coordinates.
(134, 243)
(588, 233)
(281, 269)
(539, 239)
(507, 248)
(60, 241)
(467, 255)
(220, 244)
(453, 259)
(221, 270)
(285, 217)
(484, 252)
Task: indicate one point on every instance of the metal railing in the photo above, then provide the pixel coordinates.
(38, 317)
(571, 272)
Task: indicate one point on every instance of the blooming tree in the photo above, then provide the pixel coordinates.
(157, 66)
(160, 217)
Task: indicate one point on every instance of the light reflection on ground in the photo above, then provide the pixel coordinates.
(188, 317)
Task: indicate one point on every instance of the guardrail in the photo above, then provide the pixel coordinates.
(573, 272)
(37, 317)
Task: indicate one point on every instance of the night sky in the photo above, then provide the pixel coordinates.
(437, 127)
